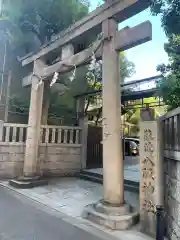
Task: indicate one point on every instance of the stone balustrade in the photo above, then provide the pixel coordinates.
(59, 150)
(16, 133)
(60, 135)
(13, 133)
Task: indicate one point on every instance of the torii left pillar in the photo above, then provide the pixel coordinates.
(31, 175)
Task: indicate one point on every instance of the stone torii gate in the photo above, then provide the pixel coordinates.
(112, 211)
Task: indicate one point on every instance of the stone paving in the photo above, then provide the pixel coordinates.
(69, 196)
(131, 173)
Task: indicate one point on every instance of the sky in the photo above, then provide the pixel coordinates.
(147, 56)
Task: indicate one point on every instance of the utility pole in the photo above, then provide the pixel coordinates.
(1, 8)
(3, 70)
(7, 98)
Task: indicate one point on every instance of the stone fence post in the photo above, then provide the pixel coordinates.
(83, 123)
(1, 130)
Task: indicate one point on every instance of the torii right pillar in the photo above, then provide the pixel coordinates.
(112, 211)
(113, 164)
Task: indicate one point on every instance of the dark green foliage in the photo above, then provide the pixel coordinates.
(39, 20)
(169, 87)
(33, 23)
(170, 13)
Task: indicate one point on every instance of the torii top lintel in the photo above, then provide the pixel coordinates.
(118, 9)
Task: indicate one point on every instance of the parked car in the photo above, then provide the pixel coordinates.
(136, 140)
(131, 146)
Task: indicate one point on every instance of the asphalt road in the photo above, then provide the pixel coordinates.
(20, 219)
(131, 161)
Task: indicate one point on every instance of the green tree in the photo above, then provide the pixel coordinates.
(34, 23)
(62, 103)
(169, 86)
(41, 19)
(131, 117)
(170, 14)
(127, 68)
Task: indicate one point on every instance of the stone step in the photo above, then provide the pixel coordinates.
(26, 183)
(98, 178)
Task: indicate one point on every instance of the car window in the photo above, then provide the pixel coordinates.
(133, 144)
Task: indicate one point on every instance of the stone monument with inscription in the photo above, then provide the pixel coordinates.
(150, 165)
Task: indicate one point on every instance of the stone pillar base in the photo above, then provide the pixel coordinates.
(28, 182)
(113, 217)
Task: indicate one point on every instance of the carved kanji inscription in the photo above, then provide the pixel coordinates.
(148, 135)
(148, 168)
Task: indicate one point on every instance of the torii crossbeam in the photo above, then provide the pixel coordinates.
(125, 39)
(117, 9)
